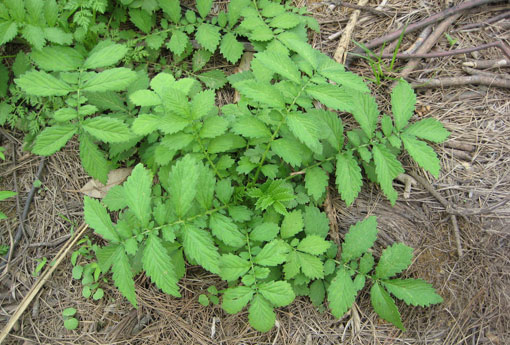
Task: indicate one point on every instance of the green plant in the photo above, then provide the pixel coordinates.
(40, 265)
(70, 322)
(87, 271)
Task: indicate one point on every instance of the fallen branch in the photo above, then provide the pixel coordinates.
(343, 45)
(486, 64)
(473, 71)
(419, 41)
(494, 19)
(360, 7)
(457, 81)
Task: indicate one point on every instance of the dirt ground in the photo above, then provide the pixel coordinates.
(475, 175)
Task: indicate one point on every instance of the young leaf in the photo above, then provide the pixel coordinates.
(289, 150)
(208, 36)
(316, 181)
(235, 299)
(292, 224)
(226, 142)
(199, 246)
(203, 7)
(214, 79)
(331, 127)
(393, 260)
(280, 63)
(145, 98)
(123, 276)
(261, 314)
(107, 129)
(202, 104)
(341, 293)
(428, 129)
(345, 78)
(387, 168)
(146, 123)
(98, 218)
(34, 35)
(57, 59)
(39, 83)
(273, 253)
(159, 267)
(314, 245)
(348, 177)
(205, 193)
(278, 293)
(178, 41)
(365, 112)
(58, 36)
(359, 239)
(172, 8)
(416, 292)
(311, 266)
(306, 130)
(105, 54)
(52, 139)
(316, 222)
(137, 189)
(8, 30)
(141, 19)
(115, 79)
(231, 48)
(251, 127)
(366, 263)
(423, 154)
(93, 159)
(403, 101)
(384, 305)
(331, 96)
(286, 20)
(260, 92)
(182, 184)
(317, 292)
(232, 267)
(115, 199)
(264, 232)
(293, 42)
(226, 230)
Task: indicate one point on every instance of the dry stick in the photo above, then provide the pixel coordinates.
(473, 71)
(343, 45)
(42, 280)
(457, 81)
(417, 26)
(419, 41)
(486, 64)
(484, 23)
(360, 7)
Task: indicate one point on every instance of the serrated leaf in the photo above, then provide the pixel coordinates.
(145, 98)
(182, 182)
(250, 127)
(172, 8)
(178, 42)
(93, 159)
(311, 266)
(306, 130)
(123, 276)
(226, 142)
(8, 30)
(232, 267)
(104, 55)
(387, 168)
(261, 314)
(316, 181)
(341, 293)
(316, 222)
(107, 100)
(290, 151)
(303, 49)
(214, 79)
(422, 154)
(366, 263)
(317, 293)
(199, 246)
(428, 129)
(292, 224)
(279, 63)
(200, 58)
(146, 123)
(264, 232)
(34, 35)
(137, 189)
(208, 36)
(384, 306)
(159, 267)
(332, 96)
(58, 36)
(98, 218)
(273, 253)
(365, 112)
(52, 139)
(205, 193)
(57, 58)
(314, 245)
(115, 79)
(226, 230)
(403, 101)
(231, 48)
(394, 259)
(107, 129)
(286, 20)
(115, 199)
(359, 239)
(204, 7)
(202, 103)
(141, 19)
(263, 93)
(235, 299)
(278, 293)
(39, 83)
(331, 127)
(348, 177)
(415, 292)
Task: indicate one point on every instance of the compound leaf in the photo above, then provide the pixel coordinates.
(105, 54)
(280, 63)
(123, 275)
(57, 59)
(182, 184)
(115, 79)
(273, 253)
(316, 181)
(261, 314)
(98, 218)
(39, 83)
(415, 292)
(348, 177)
(107, 129)
(292, 224)
(341, 293)
(278, 293)
(233, 267)
(235, 299)
(314, 245)
(387, 168)
(359, 239)
(316, 222)
(331, 96)
(203, 7)
(261, 92)
(365, 112)
(423, 154)
(93, 159)
(251, 127)
(231, 48)
(306, 130)
(403, 101)
(428, 129)
(159, 267)
(384, 305)
(208, 36)
(394, 259)
(199, 246)
(52, 139)
(226, 230)
(137, 189)
(311, 266)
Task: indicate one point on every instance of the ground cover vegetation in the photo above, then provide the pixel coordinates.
(237, 188)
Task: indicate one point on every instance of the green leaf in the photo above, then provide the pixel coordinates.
(235, 299)
(214, 79)
(200, 58)
(311, 266)
(365, 112)
(331, 127)
(226, 230)
(273, 253)
(286, 20)
(316, 181)
(123, 276)
(172, 8)
(423, 154)
(141, 19)
(359, 239)
(306, 130)
(278, 293)
(250, 127)
(98, 218)
(199, 246)
(34, 35)
(316, 222)
(202, 104)
(341, 293)
(261, 314)
(182, 184)
(232, 267)
(231, 48)
(292, 265)
(159, 267)
(289, 150)
(106, 256)
(314, 245)
(68, 312)
(332, 96)
(145, 98)
(226, 142)
(107, 129)
(105, 54)
(428, 129)
(4, 194)
(146, 123)
(403, 101)
(21, 64)
(336, 72)
(384, 306)
(387, 168)
(261, 92)
(52, 139)
(394, 259)
(137, 189)
(57, 58)
(264, 232)
(317, 293)
(292, 224)
(348, 177)
(280, 63)
(366, 263)
(39, 83)
(415, 292)
(386, 125)
(93, 159)
(208, 36)
(205, 193)
(204, 7)
(8, 30)
(115, 199)
(51, 12)
(203, 300)
(303, 49)
(58, 36)
(71, 323)
(115, 79)
(178, 41)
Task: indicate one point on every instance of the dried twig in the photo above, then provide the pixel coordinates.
(473, 71)
(343, 45)
(456, 81)
(486, 64)
(419, 41)
(419, 25)
(360, 7)
(494, 19)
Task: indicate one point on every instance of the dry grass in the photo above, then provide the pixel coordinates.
(476, 287)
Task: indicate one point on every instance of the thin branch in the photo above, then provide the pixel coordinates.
(456, 81)
(343, 45)
(494, 19)
(486, 64)
(473, 71)
(360, 7)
